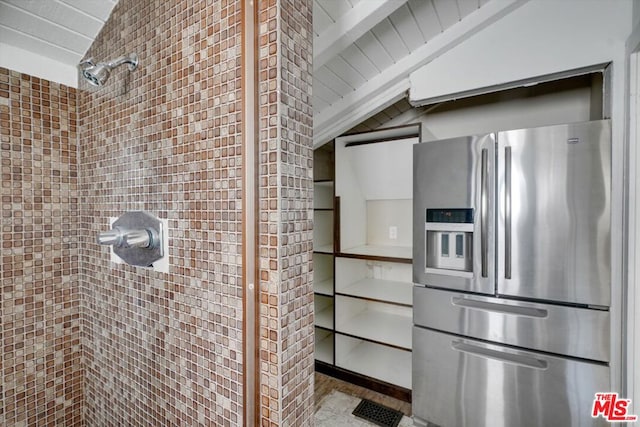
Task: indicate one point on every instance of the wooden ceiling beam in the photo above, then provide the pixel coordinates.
(350, 27)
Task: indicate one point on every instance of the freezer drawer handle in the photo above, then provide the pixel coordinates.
(516, 359)
(507, 213)
(499, 308)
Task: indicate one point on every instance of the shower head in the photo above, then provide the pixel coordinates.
(97, 74)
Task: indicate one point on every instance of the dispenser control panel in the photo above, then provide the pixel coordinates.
(449, 239)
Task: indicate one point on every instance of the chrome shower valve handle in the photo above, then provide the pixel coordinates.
(136, 237)
(112, 237)
(123, 238)
(139, 238)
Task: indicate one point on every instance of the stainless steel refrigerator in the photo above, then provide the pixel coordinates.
(512, 272)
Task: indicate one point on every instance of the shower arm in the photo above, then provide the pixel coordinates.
(131, 60)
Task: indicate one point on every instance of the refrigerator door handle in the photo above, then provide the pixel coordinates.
(528, 361)
(484, 216)
(499, 308)
(507, 213)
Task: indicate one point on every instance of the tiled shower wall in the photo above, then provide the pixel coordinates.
(41, 370)
(165, 349)
(159, 348)
(296, 217)
(286, 218)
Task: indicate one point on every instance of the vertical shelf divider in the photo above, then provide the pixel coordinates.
(324, 210)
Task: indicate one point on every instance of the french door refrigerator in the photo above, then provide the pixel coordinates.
(512, 272)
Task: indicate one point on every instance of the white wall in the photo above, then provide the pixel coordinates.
(633, 316)
(541, 37)
(23, 61)
(383, 214)
(549, 109)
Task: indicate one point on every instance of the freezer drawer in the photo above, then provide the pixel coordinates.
(570, 331)
(459, 382)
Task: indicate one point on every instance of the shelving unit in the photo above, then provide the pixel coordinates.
(323, 307)
(323, 195)
(374, 186)
(323, 254)
(389, 364)
(376, 321)
(372, 273)
(402, 253)
(323, 231)
(324, 345)
(323, 274)
(375, 280)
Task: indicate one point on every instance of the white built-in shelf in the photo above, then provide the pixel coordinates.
(323, 257)
(403, 252)
(385, 363)
(324, 311)
(379, 326)
(372, 268)
(324, 249)
(324, 346)
(324, 287)
(323, 195)
(373, 320)
(323, 274)
(322, 229)
(382, 290)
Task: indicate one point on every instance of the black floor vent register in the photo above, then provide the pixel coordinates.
(377, 414)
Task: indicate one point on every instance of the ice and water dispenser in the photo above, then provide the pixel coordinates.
(449, 241)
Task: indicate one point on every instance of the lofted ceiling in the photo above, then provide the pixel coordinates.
(357, 40)
(62, 30)
(364, 50)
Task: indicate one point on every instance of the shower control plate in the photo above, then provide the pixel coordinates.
(127, 242)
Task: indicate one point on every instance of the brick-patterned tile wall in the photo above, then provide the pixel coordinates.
(296, 197)
(158, 348)
(41, 370)
(165, 349)
(285, 213)
(269, 345)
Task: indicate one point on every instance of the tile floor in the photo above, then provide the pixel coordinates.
(332, 408)
(335, 411)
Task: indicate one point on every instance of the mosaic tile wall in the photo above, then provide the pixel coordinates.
(286, 218)
(40, 359)
(157, 348)
(165, 349)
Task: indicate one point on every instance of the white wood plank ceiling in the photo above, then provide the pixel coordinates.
(364, 51)
(410, 25)
(62, 30)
